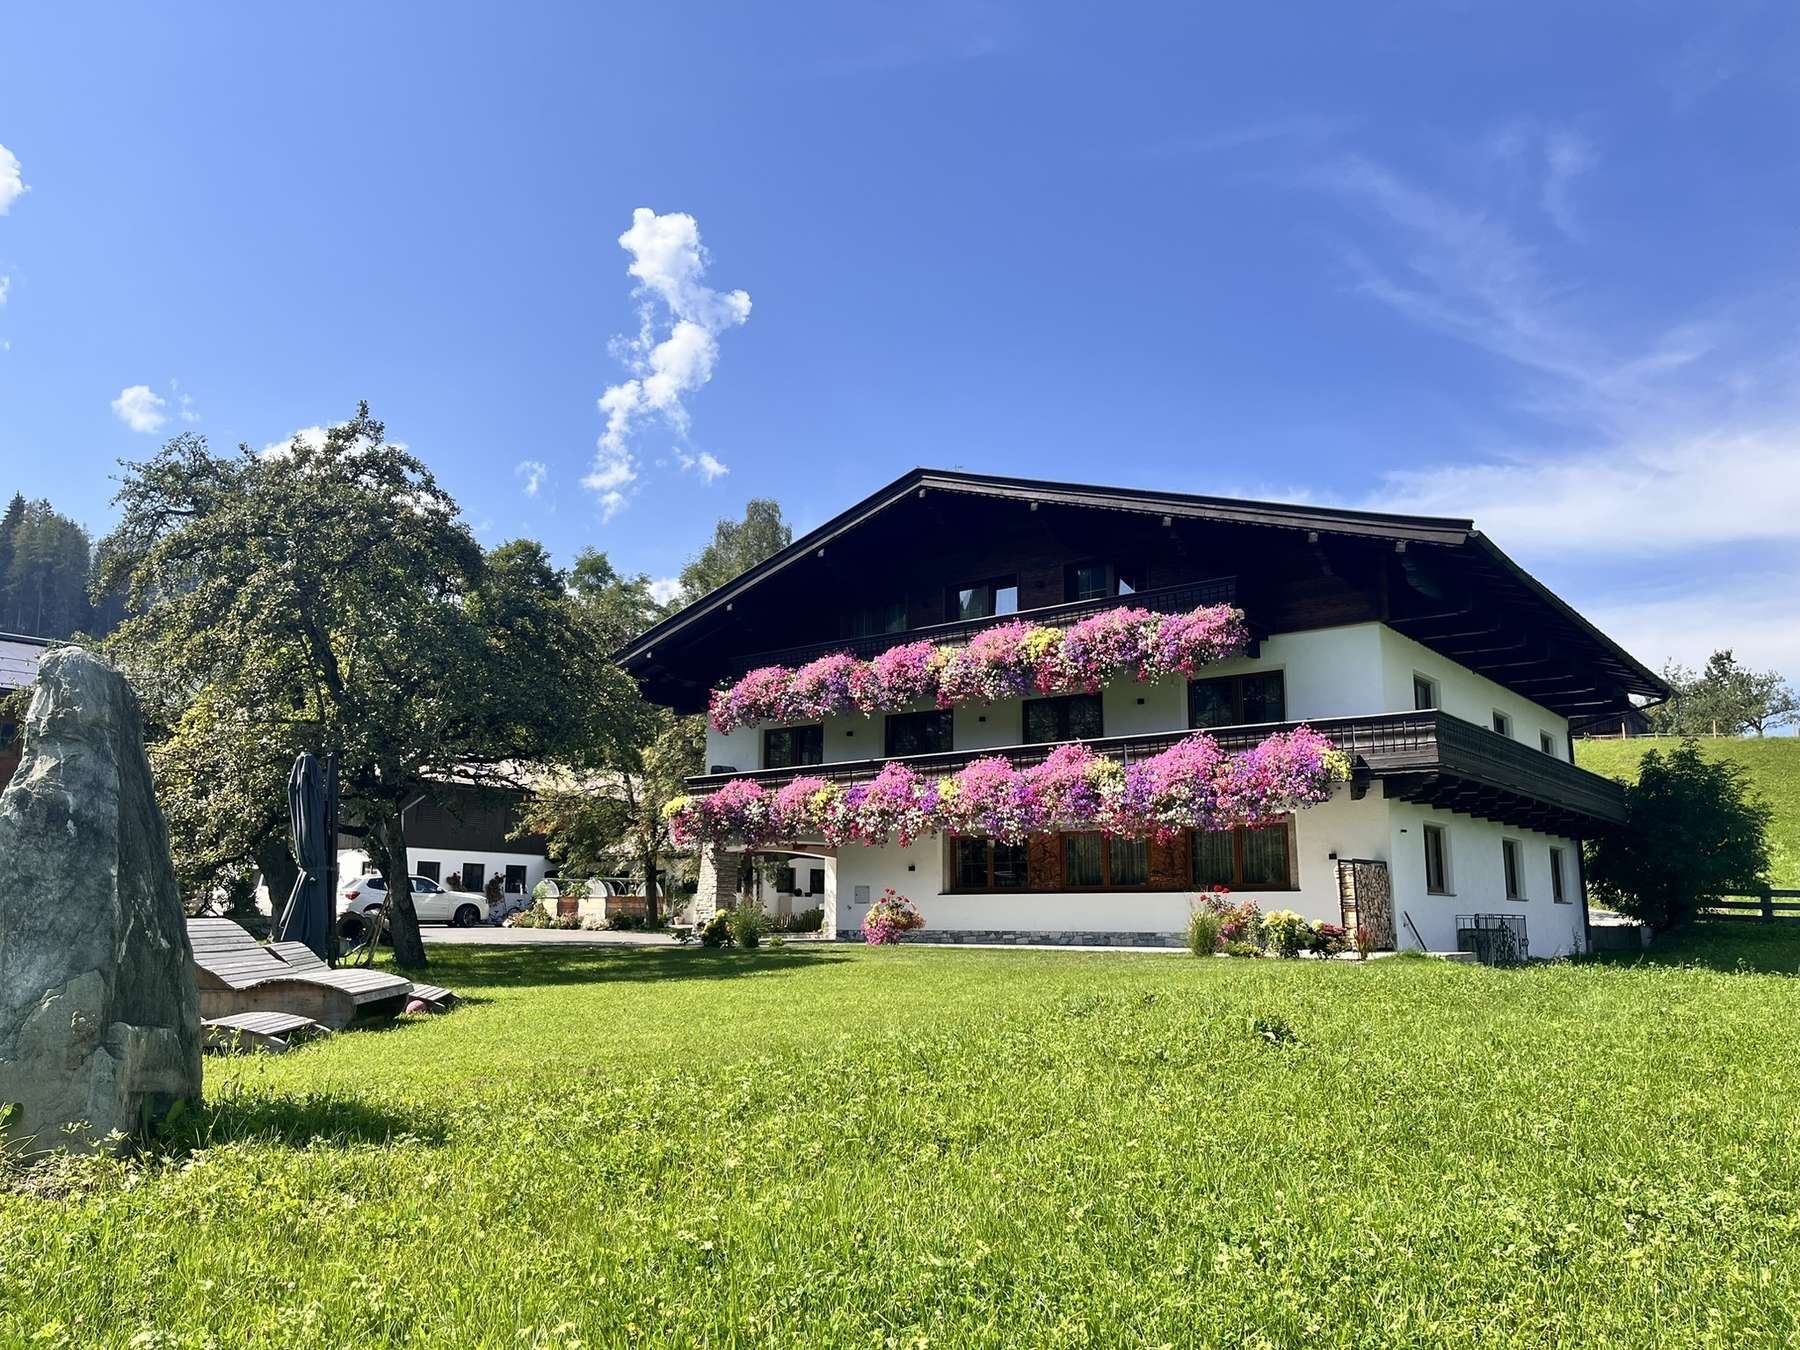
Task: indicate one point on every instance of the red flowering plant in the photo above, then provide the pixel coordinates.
(890, 918)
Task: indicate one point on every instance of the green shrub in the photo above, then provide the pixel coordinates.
(1692, 834)
(1242, 949)
(1328, 939)
(806, 921)
(748, 924)
(716, 931)
(1203, 932)
(1287, 933)
(627, 923)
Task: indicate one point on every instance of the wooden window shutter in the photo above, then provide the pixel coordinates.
(1169, 863)
(1043, 862)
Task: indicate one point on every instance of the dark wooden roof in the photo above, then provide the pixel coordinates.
(1438, 580)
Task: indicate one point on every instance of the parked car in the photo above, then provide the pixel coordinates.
(431, 902)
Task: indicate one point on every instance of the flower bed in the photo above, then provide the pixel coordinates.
(1191, 785)
(1007, 661)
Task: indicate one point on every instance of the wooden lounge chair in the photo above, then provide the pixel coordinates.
(303, 958)
(267, 1032)
(237, 974)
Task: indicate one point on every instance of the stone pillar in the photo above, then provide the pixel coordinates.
(99, 1014)
(718, 883)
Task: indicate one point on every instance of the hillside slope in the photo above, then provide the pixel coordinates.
(1773, 764)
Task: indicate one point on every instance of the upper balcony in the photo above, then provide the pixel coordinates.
(1429, 757)
(1161, 600)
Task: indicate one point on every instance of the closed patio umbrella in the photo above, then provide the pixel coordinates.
(307, 916)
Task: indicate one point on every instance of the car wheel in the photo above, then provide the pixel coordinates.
(467, 916)
(352, 928)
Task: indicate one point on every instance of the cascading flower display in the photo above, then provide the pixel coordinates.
(1192, 785)
(1104, 643)
(1007, 661)
(1181, 644)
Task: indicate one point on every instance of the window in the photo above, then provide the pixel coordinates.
(1558, 887)
(1425, 693)
(515, 878)
(874, 620)
(983, 599)
(1502, 723)
(920, 733)
(1072, 717)
(1512, 856)
(1547, 743)
(424, 885)
(986, 865)
(1098, 581)
(1437, 860)
(789, 747)
(433, 870)
(474, 876)
(1235, 699)
(1259, 859)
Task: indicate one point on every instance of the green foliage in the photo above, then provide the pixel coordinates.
(736, 547)
(748, 924)
(1724, 698)
(716, 931)
(45, 574)
(1771, 767)
(806, 921)
(1160, 1169)
(1286, 933)
(1203, 929)
(329, 597)
(1693, 833)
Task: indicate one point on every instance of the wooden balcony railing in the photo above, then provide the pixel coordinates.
(1161, 600)
(1428, 757)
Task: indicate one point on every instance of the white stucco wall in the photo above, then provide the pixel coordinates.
(1462, 693)
(1371, 828)
(352, 863)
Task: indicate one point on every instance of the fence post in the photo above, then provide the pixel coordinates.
(1768, 905)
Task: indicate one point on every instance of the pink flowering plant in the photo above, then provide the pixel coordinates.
(1192, 785)
(1006, 661)
(889, 918)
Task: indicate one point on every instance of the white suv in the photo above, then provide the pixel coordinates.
(431, 902)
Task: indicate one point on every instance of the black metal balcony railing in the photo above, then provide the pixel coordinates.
(1161, 600)
(1429, 757)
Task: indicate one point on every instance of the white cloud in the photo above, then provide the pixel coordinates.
(1567, 157)
(665, 589)
(5, 286)
(1751, 614)
(706, 464)
(12, 180)
(1631, 499)
(139, 408)
(668, 262)
(534, 472)
(312, 436)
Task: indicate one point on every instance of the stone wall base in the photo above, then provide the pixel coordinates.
(1016, 938)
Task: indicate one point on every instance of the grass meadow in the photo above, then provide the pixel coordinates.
(926, 1147)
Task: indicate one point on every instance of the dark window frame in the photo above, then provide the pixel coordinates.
(1547, 743)
(951, 843)
(1238, 702)
(1238, 836)
(1185, 884)
(1063, 703)
(862, 622)
(1424, 685)
(1121, 579)
(953, 611)
(795, 762)
(1502, 723)
(942, 716)
(431, 869)
(1512, 869)
(506, 878)
(1446, 879)
(1559, 886)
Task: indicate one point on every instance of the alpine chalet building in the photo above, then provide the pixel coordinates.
(1388, 705)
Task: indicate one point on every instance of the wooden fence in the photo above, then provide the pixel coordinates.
(1772, 906)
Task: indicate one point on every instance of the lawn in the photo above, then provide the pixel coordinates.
(909, 1147)
(1773, 766)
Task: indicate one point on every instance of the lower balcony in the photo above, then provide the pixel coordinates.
(1428, 757)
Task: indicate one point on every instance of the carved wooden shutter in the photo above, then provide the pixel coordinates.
(1169, 867)
(1043, 862)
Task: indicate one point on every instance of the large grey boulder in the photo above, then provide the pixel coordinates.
(99, 1016)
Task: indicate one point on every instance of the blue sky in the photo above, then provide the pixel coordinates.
(1508, 262)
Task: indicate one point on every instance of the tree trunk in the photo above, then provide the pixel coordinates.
(279, 871)
(403, 919)
(651, 911)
